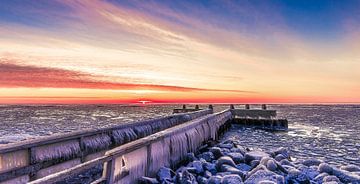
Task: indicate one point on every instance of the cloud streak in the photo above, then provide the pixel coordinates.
(16, 75)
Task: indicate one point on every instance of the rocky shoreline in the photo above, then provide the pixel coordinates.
(229, 162)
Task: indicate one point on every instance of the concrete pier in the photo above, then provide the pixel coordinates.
(127, 151)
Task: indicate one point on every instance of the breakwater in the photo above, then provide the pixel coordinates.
(200, 126)
(30, 160)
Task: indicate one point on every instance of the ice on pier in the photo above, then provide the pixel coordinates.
(194, 139)
(14, 160)
(97, 142)
(58, 151)
(143, 130)
(160, 155)
(179, 148)
(123, 136)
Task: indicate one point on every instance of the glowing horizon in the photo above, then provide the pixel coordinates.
(179, 52)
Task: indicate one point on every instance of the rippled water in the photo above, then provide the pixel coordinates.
(328, 132)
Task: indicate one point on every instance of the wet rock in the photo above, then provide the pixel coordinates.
(224, 160)
(331, 178)
(254, 155)
(147, 180)
(215, 180)
(231, 179)
(210, 167)
(346, 176)
(208, 156)
(312, 161)
(201, 180)
(283, 151)
(308, 171)
(243, 167)
(263, 175)
(271, 165)
(325, 168)
(351, 168)
(207, 174)
(227, 146)
(267, 182)
(232, 170)
(254, 163)
(296, 176)
(186, 177)
(190, 157)
(319, 178)
(279, 157)
(164, 173)
(216, 152)
(198, 167)
(286, 162)
(237, 157)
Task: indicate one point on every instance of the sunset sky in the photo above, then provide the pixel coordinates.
(117, 51)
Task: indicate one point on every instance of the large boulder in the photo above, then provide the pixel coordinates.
(237, 157)
(296, 176)
(224, 160)
(165, 174)
(147, 180)
(262, 175)
(208, 156)
(311, 162)
(351, 168)
(254, 155)
(215, 180)
(231, 179)
(325, 168)
(346, 176)
(216, 152)
(232, 170)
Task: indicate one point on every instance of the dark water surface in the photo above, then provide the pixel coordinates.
(328, 132)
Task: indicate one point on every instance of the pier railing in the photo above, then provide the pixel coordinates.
(143, 157)
(34, 159)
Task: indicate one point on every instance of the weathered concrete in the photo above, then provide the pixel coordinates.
(43, 154)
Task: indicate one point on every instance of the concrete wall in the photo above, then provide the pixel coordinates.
(145, 156)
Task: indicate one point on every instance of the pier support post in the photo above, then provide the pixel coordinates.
(263, 106)
(196, 106)
(211, 107)
(247, 106)
(184, 106)
(232, 106)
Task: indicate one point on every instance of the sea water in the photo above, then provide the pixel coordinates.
(327, 132)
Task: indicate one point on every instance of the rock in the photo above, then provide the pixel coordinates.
(308, 171)
(186, 178)
(243, 167)
(325, 168)
(263, 175)
(224, 160)
(232, 170)
(164, 173)
(279, 157)
(231, 179)
(331, 178)
(147, 180)
(283, 151)
(254, 163)
(351, 168)
(216, 152)
(237, 157)
(346, 176)
(207, 174)
(227, 146)
(319, 178)
(267, 182)
(311, 162)
(202, 180)
(198, 167)
(271, 165)
(286, 162)
(210, 167)
(254, 155)
(190, 157)
(208, 156)
(296, 176)
(215, 180)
